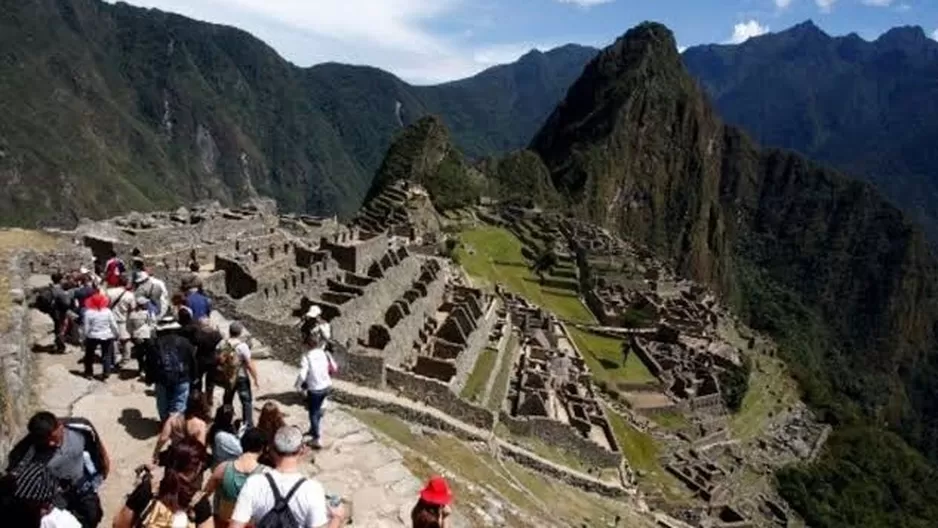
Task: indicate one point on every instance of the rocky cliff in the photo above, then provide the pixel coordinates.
(801, 250)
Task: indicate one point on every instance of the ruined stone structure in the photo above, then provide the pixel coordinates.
(402, 209)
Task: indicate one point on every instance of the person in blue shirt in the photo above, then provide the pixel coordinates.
(199, 303)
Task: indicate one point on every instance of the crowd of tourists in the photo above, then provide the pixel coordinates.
(208, 467)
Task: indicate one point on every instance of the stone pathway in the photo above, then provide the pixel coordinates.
(354, 465)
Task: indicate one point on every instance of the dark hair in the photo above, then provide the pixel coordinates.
(197, 406)
(179, 299)
(253, 441)
(177, 490)
(270, 420)
(425, 515)
(41, 426)
(186, 456)
(56, 277)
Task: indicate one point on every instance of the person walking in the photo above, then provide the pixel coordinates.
(155, 290)
(206, 338)
(101, 331)
(228, 478)
(270, 421)
(142, 329)
(238, 371)
(121, 301)
(27, 499)
(315, 379)
(169, 365)
(223, 436)
(198, 302)
(75, 456)
(433, 508)
(193, 423)
(313, 322)
(283, 496)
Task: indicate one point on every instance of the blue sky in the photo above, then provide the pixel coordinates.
(427, 41)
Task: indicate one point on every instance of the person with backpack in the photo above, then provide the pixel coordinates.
(206, 339)
(142, 329)
(101, 331)
(75, 456)
(155, 290)
(169, 366)
(54, 301)
(27, 499)
(178, 427)
(114, 269)
(315, 379)
(283, 497)
(176, 502)
(236, 371)
(229, 477)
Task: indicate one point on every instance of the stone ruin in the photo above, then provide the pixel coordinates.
(402, 209)
(551, 394)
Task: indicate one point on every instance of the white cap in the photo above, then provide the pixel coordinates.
(83, 270)
(314, 311)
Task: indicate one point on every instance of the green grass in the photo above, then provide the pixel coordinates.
(642, 453)
(500, 387)
(475, 385)
(671, 420)
(604, 357)
(536, 445)
(496, 258)
(527, 491)
(771, 390)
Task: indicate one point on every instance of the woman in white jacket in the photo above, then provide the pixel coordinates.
(315, 378)
(101, 330)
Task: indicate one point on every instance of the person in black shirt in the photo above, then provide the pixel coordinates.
(169, 367)
(205, 338)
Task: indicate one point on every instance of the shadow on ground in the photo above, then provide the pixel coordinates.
(138, 426)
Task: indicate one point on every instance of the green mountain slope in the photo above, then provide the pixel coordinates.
(109, 108)
(867, 108)
(834, 271)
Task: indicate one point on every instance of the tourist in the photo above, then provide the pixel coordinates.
(433, 508)
(284, 492)
(238, 370)
(315, 379)
(169, 365)
(84, 289)
(229, 477)
(122, 302)
(198, 302)
(101, 331)
(155, 290)
(174, 502)
(313, 322)
(270, 421)
(206, 338)
(114, 270)
(223, 436)
(74, 454)
(141, 328)
(28, 499)
(193, 423)
(54, 301)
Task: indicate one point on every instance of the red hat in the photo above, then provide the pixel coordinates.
(98, 301)
(437, 492)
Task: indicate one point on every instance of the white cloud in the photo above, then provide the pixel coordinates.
(878, 3)
(826, 6)
(586, 3)
(903, 8)
(782, 4)
(934, 34)
(746, 30)
(391, 34)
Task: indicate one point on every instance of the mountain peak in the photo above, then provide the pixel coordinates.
(903, 35)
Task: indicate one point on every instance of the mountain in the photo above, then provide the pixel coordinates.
(866, 108)
(109, 108)
(843, 280)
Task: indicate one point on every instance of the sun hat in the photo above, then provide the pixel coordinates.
(314, 312)
(437, 492)
(288, 440)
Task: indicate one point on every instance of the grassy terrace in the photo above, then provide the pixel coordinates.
(534, 494)
(771, 390)
(505, 368)
(605, 358)
(475, 386)
(495, 257)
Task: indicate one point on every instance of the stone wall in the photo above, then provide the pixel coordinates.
(405, 332)
(476, 342)
(356, 255)
(47, 262)
(16, 360)
(438, 395)
(563, 436)
(545, 467)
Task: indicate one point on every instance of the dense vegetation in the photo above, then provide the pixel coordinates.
(846, 284)
(734, 383)
(865, 107)
(109, 108)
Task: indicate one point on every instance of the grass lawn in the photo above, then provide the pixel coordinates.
(604, 357)
(642, 453)
(530, 492)
(768, 376)
(505, 369)
(475, 386)
(671, 420)
(496, 258)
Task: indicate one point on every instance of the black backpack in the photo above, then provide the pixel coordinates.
(168, 368)
(45, 300)
(280, 515)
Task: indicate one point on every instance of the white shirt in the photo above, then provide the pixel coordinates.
(308, 504)
(122, 302)
(155, 290)
(59, 519)
(100, 324)
(314, 370)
